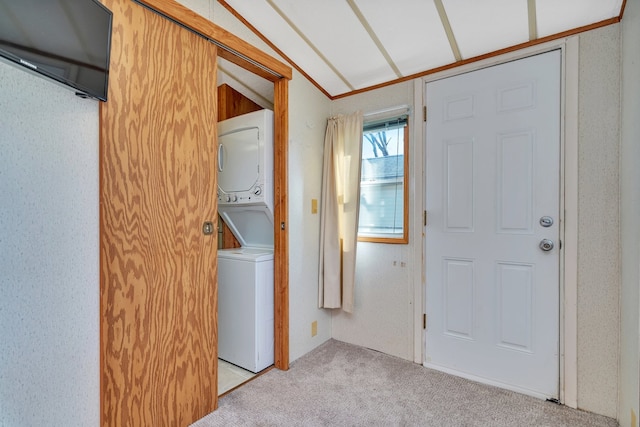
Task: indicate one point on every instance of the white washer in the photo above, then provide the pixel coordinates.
(245, 307)
(245, 275)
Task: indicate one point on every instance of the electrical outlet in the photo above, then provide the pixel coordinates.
(314, 206)
(314, 328)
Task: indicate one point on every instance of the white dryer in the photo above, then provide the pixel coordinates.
(245, 275)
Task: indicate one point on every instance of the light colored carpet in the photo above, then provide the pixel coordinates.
(339, 384)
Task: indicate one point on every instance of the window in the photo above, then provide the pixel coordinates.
(383, 213)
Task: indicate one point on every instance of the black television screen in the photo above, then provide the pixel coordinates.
(66, 40)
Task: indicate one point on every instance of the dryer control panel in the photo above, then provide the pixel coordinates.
(254, 195)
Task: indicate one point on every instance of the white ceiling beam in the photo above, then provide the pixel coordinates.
(533, 20)
(374, 37)
(447, 29)
(310, 44)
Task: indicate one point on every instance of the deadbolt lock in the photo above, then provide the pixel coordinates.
(546, 221)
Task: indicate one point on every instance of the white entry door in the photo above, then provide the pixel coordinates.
(491, 245)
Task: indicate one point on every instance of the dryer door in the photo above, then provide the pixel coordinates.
(238, 160)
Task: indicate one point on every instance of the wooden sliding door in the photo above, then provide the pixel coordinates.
(248, 57)
(158, 296)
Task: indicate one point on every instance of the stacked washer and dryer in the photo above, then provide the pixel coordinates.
(245, 274)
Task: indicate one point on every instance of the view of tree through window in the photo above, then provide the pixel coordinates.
(383, 182)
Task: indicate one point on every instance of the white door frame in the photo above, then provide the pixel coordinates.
(568, 205)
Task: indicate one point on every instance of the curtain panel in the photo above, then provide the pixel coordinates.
(339, 211)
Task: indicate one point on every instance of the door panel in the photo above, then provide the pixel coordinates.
(515, 182)
(458, 298)
(458, 191)
(158, 291)
(492, 171)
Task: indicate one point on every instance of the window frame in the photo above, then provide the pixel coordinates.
(404, 238)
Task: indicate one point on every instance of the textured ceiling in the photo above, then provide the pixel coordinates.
(345, 46)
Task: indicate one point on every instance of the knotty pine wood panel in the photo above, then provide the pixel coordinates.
(229, 241)
(158, 286)
(232, 103)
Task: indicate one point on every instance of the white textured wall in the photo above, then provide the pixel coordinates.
(308, 112)
(629, 393)
(383, 315)
(49, 254)
(598, 220)
(201, 7)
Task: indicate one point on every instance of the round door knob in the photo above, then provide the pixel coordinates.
(546, 245)
(208, 228)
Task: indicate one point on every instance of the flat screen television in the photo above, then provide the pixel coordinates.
(68, 41)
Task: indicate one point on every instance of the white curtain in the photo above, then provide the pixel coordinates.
(339, 211)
